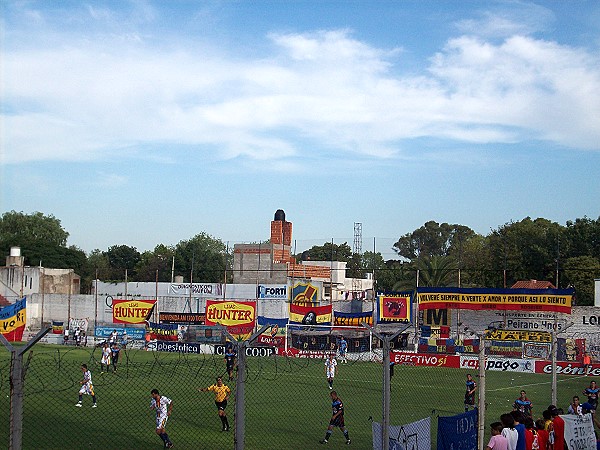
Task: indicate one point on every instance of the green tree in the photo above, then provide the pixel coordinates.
(121, 258)
(328, 252)
(582, 238)
(159, 260)
(579, 273)
(206, 255)
(433, 239)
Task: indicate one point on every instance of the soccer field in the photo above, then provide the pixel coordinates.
(287, 400)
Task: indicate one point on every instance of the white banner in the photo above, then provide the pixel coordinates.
(198, 289)
(82, 324)
(412, 436)
(579, 432)
(498, 363)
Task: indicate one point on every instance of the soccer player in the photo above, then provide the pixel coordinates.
(105, 360)
(115, 355)
(343, 348)
(470, 393)
(163, 407)
(330, 364)
(523, 404)
(337, 419)
(592, 394)
(230, 360)
(87, 387)
(221, 396)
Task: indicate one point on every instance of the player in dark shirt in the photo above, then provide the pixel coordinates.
(337, 419)
(470, 393)
(592, 394)
(230, 359)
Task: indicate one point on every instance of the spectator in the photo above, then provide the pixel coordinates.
(542, 434)
(592, 394)
(497, 441)
(575, 407)
(509, 431)
(531, 437)
(519, 418)
(558, 425)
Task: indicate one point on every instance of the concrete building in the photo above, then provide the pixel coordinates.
(18, 280)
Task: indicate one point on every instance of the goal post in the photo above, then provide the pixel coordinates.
(322, 340)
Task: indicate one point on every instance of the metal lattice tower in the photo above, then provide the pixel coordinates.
(357, 250)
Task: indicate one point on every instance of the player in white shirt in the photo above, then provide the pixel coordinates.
(163, 407)
(105, 361)
(87, 387)
(330, 364)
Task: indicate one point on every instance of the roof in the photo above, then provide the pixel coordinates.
(3, 301)
(532, 284)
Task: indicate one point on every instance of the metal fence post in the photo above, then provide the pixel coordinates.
(239, 435)
(481, 404)
(17, 378)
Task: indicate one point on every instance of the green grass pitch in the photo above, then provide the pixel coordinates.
(287, 400)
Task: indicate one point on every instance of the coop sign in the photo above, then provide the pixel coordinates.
(131, 311)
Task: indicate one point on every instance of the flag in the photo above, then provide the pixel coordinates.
(57, 327)
(12, 320)
(149, 315)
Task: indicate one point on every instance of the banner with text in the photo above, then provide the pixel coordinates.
(352, 319)
(238, 317)
(310, 315)
(187, 318)
(458, 431)
(412, 436)
(393, 307)
(556, 300)
(13, 319)
(162, 331)
(275, 335)
(131, 311)
(198, 289)
(518, 335)
(579, 432)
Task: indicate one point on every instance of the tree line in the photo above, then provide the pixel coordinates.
(433, 255)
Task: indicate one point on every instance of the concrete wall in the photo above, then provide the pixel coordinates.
(33, 280)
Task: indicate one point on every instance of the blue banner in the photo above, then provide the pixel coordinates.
(281, 323)
(458, 431)
(132, 333)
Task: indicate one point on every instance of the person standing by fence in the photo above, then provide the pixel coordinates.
(337, 419)
(470, 393)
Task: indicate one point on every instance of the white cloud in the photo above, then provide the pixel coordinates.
(86, 98)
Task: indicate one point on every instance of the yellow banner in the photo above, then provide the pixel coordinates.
(12, 323)
(519, 335)
(230, 313)
(131, 311)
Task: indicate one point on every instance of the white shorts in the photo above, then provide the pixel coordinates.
(161, 421)
(87, 389)
(330, 373)
(105, 360)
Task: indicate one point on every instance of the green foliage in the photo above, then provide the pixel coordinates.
(580, 272)
(159, 261)
(329, 252)
(203, 256)
(433, 239)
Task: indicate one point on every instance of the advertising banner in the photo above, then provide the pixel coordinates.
(162, 331)
(415, 435)
(250, 351)
(499, 364)
(131, 311)
(174, 347)
(537, 351)
(424, 359)
(13, 319)
(352, 319)
(518, 335)
(132, 333)
(310, 315)
(305, 294)
(279, 291)
(393, 307)
(199, 289)
(557, 300)
(187, 318)
(568, 368)
(458, 431)
(579, 432)
(238, 317)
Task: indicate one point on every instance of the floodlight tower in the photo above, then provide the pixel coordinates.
(357, 251)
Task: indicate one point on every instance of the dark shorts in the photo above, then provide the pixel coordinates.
(337, 422)
(221, 405)
(469, 399)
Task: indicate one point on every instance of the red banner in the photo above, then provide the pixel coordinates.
(310, 315)
(424, 359)
(568, 368)
(13, 319)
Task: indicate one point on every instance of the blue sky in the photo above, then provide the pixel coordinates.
(142, 123)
